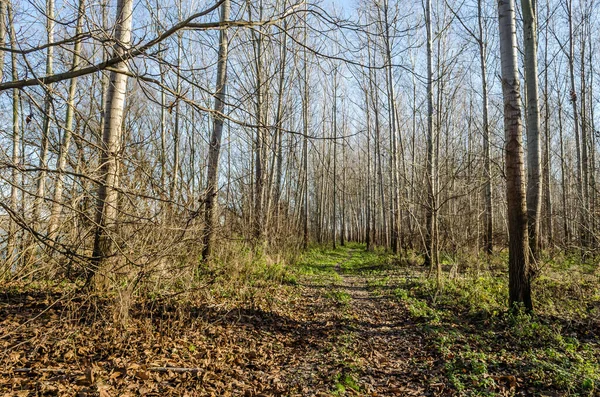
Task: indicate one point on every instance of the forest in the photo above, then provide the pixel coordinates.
(299, 198)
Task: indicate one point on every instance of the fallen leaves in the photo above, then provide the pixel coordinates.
(306, 345)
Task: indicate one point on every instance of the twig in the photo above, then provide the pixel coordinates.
(177, 370)
(29, 370)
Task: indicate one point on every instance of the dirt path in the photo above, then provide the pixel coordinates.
(382, 354)
(368, 345)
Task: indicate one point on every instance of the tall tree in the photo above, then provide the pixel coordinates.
(519, 283)
(260, 134)
(573, 97)
(2, 36)
(110, 147)
(547, 163)
(394, 132)
(45, 138)
(431, 248)
(214, 150)
(534, 181)
(53, 221)
(305, 130)
(489, 210)
(16, 138)
(335, 160)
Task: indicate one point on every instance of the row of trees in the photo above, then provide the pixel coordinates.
(139, 138)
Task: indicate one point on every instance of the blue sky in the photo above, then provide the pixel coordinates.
(345, 5)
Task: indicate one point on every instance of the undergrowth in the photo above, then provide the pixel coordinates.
(487, 350)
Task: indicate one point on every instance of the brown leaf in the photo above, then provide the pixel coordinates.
(89, 375)
(143, 375)
(104, 393)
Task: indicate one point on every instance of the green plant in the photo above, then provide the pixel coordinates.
(339, 296)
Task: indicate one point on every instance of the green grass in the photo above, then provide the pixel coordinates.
(349, 259)
(343, 382)
(488, 350)
(340, 297)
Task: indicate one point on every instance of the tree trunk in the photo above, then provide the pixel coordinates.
(547, 156)
(431, 236)
(175, 171)
(16, 145)
(212, 175)
(335, 160)
(489, 210)
(368, 239)
(343, 214)
(2, 36)
(305, 130)
(534, 182)
(394, 158)
(110, 148)
(563, 174)
(518, 262)
(55, 213)
(584, 144)
(44, 144)
(573, 96)
(259, 145)
(277, 160)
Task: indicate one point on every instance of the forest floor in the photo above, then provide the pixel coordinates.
(341, 322)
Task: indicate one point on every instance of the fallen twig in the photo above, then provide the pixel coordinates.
(177, 370)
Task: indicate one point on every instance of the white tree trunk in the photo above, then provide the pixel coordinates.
(108, 196)
(534, 181)
(518, 261)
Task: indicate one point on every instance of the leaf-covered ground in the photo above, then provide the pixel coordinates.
(345, 322)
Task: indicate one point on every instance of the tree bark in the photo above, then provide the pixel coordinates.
(573, 97)
(518, 262)
(563, 174)
(534, 182)
(214, 152)
(431, 248)
(55, 213)
(110, 148)
(2, 36)
(489, 210)
(16, 143)
(547, 152)
(44, 144)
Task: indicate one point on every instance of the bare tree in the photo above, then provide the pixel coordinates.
(16, 140)
(518, 261)
(573, 97)
(212, 176)
(44, 142)
(53, 221)
(431, 249)
(108, 193)
(534, 181)
(489, 210)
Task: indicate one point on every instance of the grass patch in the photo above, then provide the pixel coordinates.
(343, 382)
(488, 351)
(340, 297)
